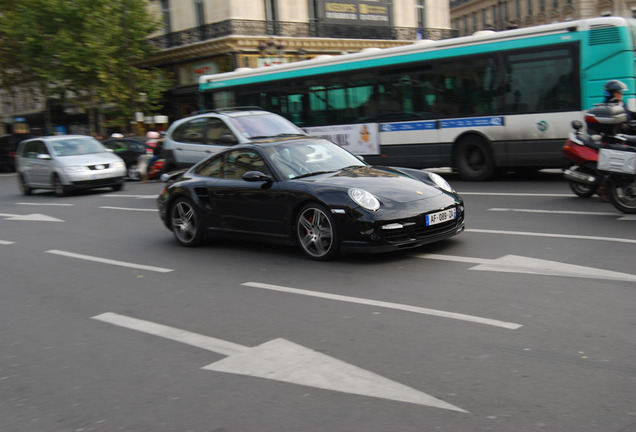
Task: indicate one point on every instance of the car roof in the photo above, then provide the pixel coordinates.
(59, 137)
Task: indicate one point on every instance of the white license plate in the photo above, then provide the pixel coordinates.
(439, 217)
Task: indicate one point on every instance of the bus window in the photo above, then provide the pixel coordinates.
(467, 87)
(223, 99)
(541, 81)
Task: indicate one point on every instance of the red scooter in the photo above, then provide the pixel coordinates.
(581, 148)
(603, 158)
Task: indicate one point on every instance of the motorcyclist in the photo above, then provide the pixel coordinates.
(613, 92)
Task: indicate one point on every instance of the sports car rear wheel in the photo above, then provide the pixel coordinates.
(185, 221)
(316, 233)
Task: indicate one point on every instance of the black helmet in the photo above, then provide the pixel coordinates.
(614, 86)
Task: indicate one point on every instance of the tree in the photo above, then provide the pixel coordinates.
(91, 51)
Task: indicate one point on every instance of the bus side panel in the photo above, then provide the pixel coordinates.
(410, 145)
(537, 139)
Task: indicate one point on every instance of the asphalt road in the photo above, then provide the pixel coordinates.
(525, 322)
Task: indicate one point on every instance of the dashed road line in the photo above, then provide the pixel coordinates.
(128, 209)
(109, 261)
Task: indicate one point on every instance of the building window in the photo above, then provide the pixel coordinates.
(555, 4)
(165, 13)
(199, 13)
(518, 9)
(271, 16)
(541, 5)
(529, 7)
(420, 11)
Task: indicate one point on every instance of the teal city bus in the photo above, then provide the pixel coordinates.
(478, 104)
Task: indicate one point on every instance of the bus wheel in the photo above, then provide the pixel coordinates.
(474, 160)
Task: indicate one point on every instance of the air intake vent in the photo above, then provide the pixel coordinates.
(603, 35)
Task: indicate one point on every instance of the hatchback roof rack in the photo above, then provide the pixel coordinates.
(238, 108)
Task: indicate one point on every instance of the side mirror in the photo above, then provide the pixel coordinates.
(228, 139)
(254, 176)
(577, 125)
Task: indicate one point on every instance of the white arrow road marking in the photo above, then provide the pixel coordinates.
(6, 242)
(534, 234)
(109, 261)
(382, 304)
(32, 217)
(282, 360)
(519, 264)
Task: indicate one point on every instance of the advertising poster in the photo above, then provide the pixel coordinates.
(360, 139)
(367, 12)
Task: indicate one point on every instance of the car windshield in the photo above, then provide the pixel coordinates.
(77, 146)
(304, 159)
(266, 126)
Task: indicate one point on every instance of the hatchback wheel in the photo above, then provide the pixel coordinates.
(24, 188)
(58, 188)
(316, 233)
(185, 220)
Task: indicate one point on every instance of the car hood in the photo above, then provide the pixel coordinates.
(89, 159)
(385, 183)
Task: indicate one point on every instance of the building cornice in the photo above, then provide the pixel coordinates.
(237, 44)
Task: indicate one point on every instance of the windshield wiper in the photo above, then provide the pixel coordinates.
(312, 174)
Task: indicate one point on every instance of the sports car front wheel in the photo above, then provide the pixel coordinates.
(316, 233)
(185, 221)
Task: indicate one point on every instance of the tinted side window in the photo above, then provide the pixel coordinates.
(211, 168)
(191, 132)
(216, 128)
(33, 148)
(239, 162)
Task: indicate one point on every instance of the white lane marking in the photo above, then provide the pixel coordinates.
(128, 209)
(6, 242)
(109, 261)
(526, 265)
(534, 234)
(35, 217)
(285, 361)
(45, 204)
(132, 196)
(570, 212)
(514, 194)
(387, 305)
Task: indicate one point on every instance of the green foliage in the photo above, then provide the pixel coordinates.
(90, 50)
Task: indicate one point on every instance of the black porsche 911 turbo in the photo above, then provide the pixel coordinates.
(311, 192)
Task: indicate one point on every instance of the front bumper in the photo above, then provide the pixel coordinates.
(403, 232)
(95, 179)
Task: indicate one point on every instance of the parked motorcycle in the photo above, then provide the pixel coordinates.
(602, 157)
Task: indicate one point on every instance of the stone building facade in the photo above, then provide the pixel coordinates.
(212, 36)
(469, 16)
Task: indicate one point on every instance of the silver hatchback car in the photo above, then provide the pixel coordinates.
(67, 162)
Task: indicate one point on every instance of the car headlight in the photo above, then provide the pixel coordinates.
(73, 169)
(439, 181)
(364, 199)
(119, 164)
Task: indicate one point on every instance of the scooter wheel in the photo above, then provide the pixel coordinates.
(623, 196)
(584, 191)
